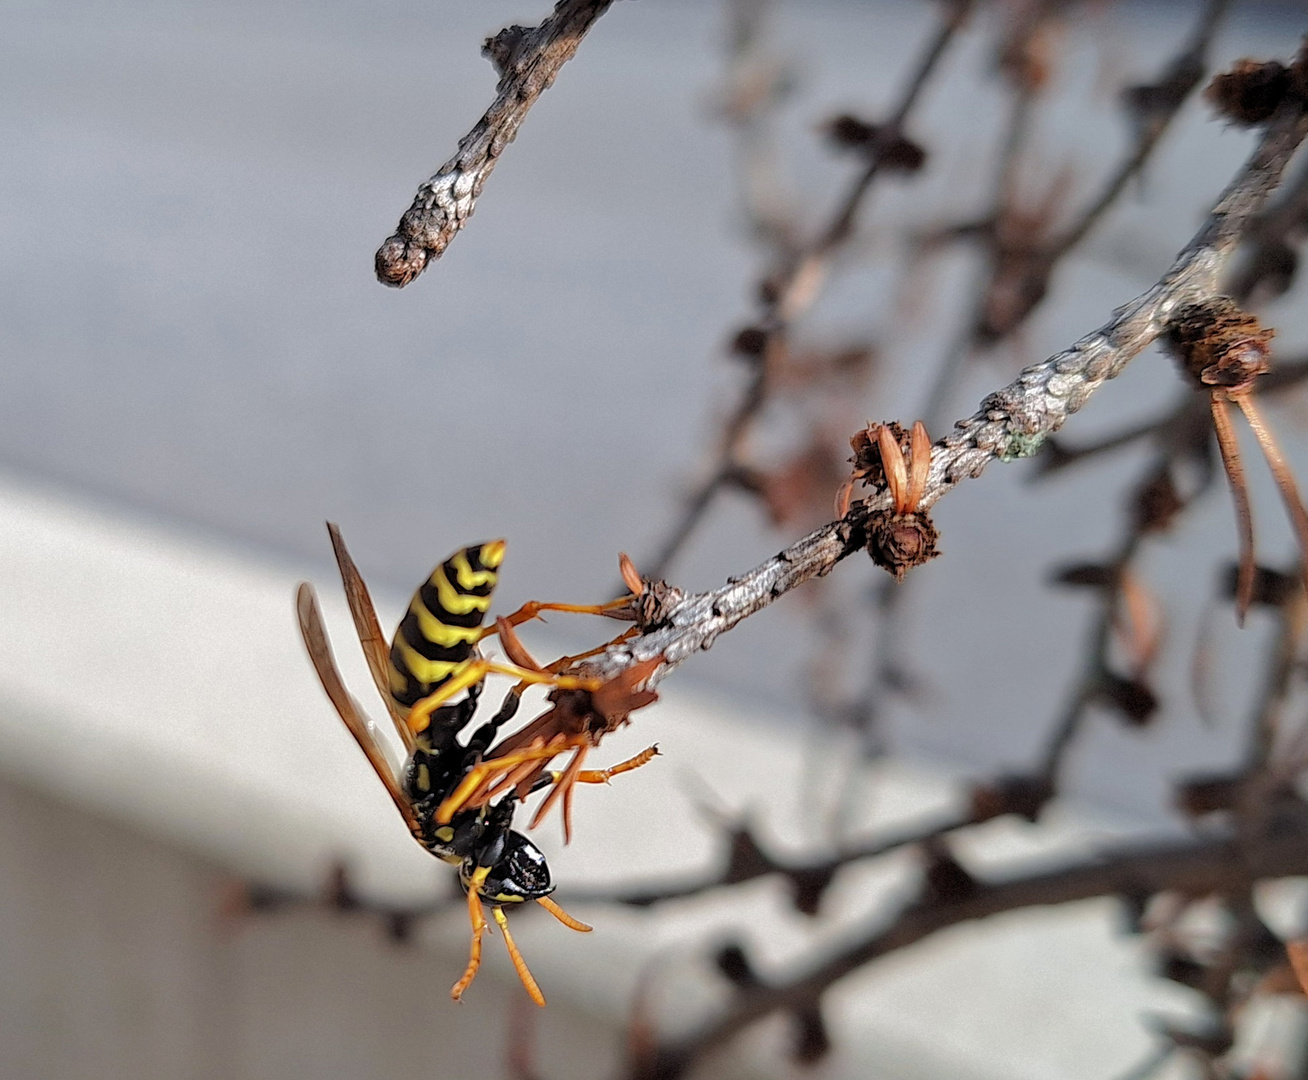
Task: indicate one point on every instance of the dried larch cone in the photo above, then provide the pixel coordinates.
(1224, 350)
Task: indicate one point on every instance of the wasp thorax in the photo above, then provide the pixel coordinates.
(899, 542)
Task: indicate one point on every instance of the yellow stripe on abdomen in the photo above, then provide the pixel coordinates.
(439, 633)
(421, 670)
(453, 601)
(469, 578)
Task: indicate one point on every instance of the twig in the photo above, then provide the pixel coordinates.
(1012, 423)
(787, 293)
(528, 59)
(1195, 868)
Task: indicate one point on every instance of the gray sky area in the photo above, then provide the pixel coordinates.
(191, 193)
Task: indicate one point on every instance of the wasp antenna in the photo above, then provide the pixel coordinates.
(1284, 477)
(630, 575)
(920, 465)
(892, 461)
(1230, 451)
(563, 917)
(519, 964)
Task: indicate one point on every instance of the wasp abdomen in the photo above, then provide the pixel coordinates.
(439, 631)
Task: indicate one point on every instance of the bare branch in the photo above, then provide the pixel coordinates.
(528, 59)
(1012, 423)
(1194, 868)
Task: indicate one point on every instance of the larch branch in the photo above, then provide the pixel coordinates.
(1013, 422)
(528, 59)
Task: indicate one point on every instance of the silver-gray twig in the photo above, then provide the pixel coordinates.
(527, 58)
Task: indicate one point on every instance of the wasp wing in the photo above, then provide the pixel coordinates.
(376, 649)
(320, 652)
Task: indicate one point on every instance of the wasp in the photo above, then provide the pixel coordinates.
(445, 788)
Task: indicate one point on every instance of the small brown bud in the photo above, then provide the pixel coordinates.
(899, 542)
(750, 341)
(867, 457)
(1024, 796)
(1271, 587)
(1157, 502)
(1086, 576)
(1251, 92)
(883, 142)
(1219, 344)
(1134, 700)
(1208, 794)
(849, 132)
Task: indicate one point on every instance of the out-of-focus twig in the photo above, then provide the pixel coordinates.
(787, 291)
(528, 59)
(1194, 868)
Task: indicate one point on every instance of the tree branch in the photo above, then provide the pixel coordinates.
(1012, 422)
(1193, 868)
(528, 59)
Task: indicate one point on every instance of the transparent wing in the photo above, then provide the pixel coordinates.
(376, 649)
(320, 652)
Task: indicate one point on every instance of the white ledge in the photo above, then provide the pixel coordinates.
(161, 681)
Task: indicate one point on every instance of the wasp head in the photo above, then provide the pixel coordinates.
(518, 871)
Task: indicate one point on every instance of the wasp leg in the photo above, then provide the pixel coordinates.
(562, 789)
(532, 609)
(528, 773)
(519, 964)
(603, 776)
(563, 917)
(565, 662)
(478, 917)
(474, 672)
(481, 739)
(480, 773)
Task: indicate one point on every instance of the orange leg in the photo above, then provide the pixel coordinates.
(473, 672)
(478, 918)
(532, 609)
(519, 964)
(603, 776)
(567, 780)
(478, 774)
(563, 917)
(562, 787)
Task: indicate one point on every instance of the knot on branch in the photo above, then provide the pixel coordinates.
(503, 48)
(1219, 344)
(1252, 91)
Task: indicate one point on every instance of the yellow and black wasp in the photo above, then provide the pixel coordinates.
(445, 788)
